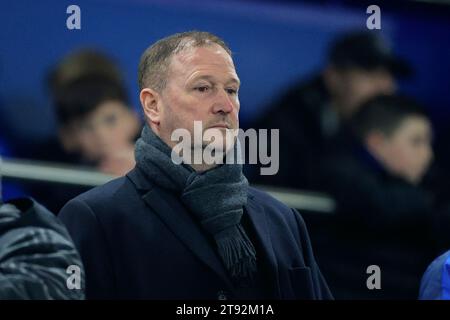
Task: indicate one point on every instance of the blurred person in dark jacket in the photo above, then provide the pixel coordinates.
(36, 254)
(384, 216)
(310, 114)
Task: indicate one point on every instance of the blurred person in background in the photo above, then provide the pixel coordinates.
(311, 113)
(435, 284)
(35, 253)
(8, 189)
(384, 217)
(97, 126)
(96, 123)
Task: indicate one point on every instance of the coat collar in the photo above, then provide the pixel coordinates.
(177, 218)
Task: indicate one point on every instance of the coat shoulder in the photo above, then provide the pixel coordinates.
(106, 190)
(274, 208)
(266, 199)
(114, 194)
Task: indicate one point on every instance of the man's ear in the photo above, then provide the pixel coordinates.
(151, 104)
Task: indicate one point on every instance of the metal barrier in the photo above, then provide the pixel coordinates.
(58, 173)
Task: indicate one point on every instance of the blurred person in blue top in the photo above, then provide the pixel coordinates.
(435, 283)
(8, 189)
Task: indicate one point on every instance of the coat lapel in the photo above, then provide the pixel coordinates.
(258, 218)
(178, 219)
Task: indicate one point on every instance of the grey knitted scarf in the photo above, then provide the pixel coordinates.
(215, 197)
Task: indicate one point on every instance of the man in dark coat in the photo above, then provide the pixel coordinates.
(190, 230)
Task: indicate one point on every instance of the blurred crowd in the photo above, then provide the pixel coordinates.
(349, 132)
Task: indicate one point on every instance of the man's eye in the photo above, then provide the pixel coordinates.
(232, 91)
(202, 89)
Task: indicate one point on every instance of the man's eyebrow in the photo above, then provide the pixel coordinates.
(211, 78)
(234, 80)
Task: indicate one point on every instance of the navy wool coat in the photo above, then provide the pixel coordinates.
(138, 241)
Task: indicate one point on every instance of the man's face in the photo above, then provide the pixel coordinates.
(202, 86)
(351, 87)
(407, 152)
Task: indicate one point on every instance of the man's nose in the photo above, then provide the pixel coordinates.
(223, 102)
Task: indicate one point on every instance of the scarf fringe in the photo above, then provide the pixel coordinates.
(238, 257)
